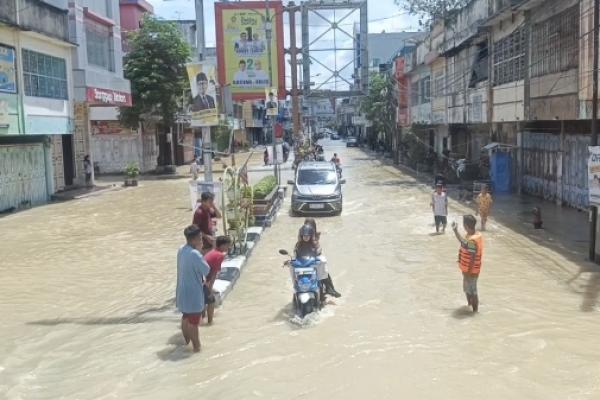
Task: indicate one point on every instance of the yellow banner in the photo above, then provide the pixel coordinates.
(203, 107)
(245, 50)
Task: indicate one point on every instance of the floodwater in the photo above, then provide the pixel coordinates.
(87, 287)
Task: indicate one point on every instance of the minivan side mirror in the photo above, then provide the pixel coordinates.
(342, 181)
(290, 182)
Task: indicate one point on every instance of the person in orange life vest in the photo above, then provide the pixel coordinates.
(469, 258)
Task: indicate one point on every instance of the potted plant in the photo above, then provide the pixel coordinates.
(132, 171)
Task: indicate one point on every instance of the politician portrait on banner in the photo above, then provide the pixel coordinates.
(203, 106)
(271, 104)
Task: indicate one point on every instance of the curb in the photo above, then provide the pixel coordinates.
(232, 268)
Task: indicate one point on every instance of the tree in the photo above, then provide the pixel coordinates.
(156, 68)
(428, 10)
(378, 107)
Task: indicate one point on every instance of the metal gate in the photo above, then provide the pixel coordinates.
(556, 171)
(22, 176)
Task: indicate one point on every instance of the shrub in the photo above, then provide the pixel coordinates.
(132, 170)
(264, 187)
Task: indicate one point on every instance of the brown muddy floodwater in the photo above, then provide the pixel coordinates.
(87, 288)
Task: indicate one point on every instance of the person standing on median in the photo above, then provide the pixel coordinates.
(189, 294)
(214, 258)
(439, 205)
(203, 219)
(469, 258)
(485, 201)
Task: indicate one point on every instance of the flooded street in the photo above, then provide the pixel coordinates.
(87, 299)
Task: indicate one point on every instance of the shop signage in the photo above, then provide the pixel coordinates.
(107, 97)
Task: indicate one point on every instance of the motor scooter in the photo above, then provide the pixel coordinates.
(303, 271)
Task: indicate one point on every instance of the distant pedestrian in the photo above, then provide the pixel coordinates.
(469, 258)
(537, 218)
(214, 258)
(439, 205)
(87, 167)
(189, 295)
(485, 201)
(203, 219)
(195, 169)
(266, 157)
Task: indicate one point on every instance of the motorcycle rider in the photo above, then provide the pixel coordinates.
(308, 246)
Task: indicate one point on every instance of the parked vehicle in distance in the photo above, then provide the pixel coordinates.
(352, 142)
(335, 136)
(317, 189)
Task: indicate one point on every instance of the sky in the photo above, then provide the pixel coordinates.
(383, 15)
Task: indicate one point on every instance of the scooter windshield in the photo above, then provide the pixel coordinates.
(303, 262)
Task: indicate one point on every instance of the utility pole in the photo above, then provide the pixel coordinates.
(268, 37)
(294, 70)
(594, 141)
(201, 46)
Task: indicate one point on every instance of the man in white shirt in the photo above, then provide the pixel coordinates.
(439, 205)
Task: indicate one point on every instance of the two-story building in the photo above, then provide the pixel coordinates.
(100, 88)
(36, 102)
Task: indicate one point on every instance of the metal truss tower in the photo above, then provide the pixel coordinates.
(336, 83)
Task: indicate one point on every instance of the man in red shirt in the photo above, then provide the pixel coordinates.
(214, 258)
(203, 219)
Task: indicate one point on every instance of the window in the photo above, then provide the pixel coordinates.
(425, 90)
(100, 46)
(438, 85)
(479, 72)
(509, 58)
(414, 94)
(44, 76)
(556, 43)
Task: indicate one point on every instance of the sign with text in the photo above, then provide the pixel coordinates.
(107, 97)
(203, 108)
(594, 174)
(8, 70)
(242, 56)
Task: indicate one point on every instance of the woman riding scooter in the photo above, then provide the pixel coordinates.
(311, 246)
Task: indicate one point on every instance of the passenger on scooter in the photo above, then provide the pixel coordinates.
(310, 245)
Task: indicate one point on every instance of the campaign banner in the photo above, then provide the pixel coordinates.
(594, 174)
(8, 70)
(242, 56)
(203, 106)
(271, 103)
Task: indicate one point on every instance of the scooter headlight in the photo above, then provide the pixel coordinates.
(304, 284)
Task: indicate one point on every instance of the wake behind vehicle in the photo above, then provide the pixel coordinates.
(307, 290)
(317, 189)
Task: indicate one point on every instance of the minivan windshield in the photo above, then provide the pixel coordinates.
(316, 177)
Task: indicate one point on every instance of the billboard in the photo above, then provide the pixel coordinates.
(242, 51)
(594, 175)
(203, 107)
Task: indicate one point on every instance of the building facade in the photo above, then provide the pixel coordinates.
(100, 89)
(36, 102)
(515, 72)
